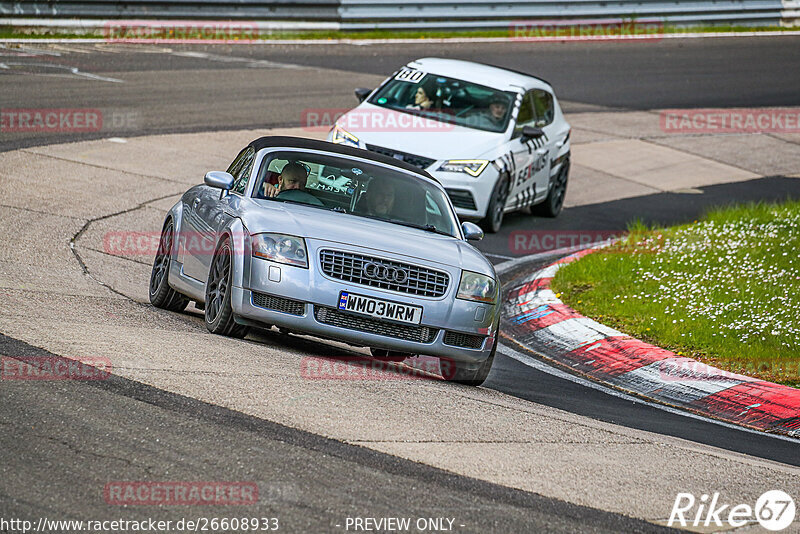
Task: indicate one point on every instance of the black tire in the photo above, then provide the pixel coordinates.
(219, 313)
(454, 371)
(161, 294)
(552, 205)
(493, 220)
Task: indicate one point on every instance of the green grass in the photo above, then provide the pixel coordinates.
(10, 32)
(724, 290)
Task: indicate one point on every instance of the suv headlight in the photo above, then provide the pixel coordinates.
(473, 167)
(281, 248)
(478, 287)
(343, 137)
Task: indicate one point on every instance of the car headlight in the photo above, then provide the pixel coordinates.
(281, 248)
(477, 287)
(343, 137)
(473, 167)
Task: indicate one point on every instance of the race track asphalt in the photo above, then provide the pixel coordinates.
(182, 88)
(200, 88)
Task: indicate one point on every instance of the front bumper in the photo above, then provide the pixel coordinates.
(470, 195)
(307, 300)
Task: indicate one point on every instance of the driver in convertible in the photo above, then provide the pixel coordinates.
(292, 185)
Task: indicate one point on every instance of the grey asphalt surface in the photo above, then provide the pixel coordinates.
(311, 482)
(62, 442)
(180, 88)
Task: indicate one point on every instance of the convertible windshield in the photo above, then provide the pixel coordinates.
(357, 188)
(447, 100)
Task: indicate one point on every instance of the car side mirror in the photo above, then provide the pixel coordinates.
(219, 179)
(472, 232)
(362, 93)
(530, 132)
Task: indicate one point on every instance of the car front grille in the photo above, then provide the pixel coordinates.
(467, 341)
(284, 305)
(418, 161)
(334, 317)
(417, 280)
(462, 198)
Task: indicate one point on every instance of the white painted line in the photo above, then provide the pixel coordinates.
(651, 378)
(574, 333)
(548, 272)
(498, 256)
(250, 62)
(536, 298)
(71, 71)
(512, 264)
(558, 373)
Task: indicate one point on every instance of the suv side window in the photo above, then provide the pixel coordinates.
(543, 107)
(526, 115)
(241, 169)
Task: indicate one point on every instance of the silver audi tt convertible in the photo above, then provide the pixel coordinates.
(335, 242)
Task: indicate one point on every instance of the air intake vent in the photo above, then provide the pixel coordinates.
(333, 317)
(283, 305)
(467, 341)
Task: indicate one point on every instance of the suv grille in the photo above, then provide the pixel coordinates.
(417, 161)
(467, 341)
(333, 317)
(416, 280)
(461, 198)
(271, 302)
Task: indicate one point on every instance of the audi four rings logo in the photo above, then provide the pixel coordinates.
(379, 271)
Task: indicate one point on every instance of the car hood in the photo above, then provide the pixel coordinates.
(429, 138)
(349, 231)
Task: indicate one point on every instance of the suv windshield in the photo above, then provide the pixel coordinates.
(447, 100)
(357, 188)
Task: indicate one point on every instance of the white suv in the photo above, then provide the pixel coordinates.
(496, 139)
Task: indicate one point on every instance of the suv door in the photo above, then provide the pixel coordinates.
(544, 112)
(530, 158)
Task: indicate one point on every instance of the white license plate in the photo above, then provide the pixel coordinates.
(381, 309)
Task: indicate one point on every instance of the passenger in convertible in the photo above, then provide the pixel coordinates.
(380, 198)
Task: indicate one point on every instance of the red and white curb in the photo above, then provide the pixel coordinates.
(537, 320)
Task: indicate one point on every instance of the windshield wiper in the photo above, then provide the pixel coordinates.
(427, 227)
